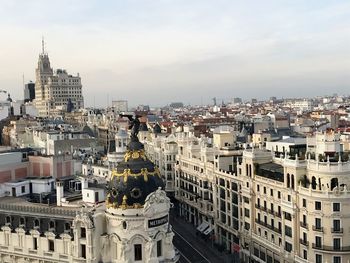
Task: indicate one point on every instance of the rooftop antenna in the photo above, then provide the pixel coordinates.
(43, 45)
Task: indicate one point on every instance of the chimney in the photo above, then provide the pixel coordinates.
(84, 183)
(59, 192)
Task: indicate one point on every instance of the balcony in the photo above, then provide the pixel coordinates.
(277, 230)
(304, 242)
(317, 228)
(304, 225)
(330, 248)
(337, 230)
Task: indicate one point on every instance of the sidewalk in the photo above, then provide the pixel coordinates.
(188, 231)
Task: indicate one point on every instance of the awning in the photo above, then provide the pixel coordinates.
(202, 227)
(208, 230)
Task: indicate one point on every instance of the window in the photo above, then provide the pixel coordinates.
(318, 242)
(258, 188)
(336, 259)
(288, 231)
(83, 251)
(289, 198)
(336, 207)
(318, 205)
(23, 189)
(318, 223)
(35, 243)
(51, 245)
(22, 221)
(336, 243)
(246, 212)
(304, 220)
(137, 252)
(264, 190)
(305, 254)
(279, 195)
(67, 226)
(304, 237)
(288, 216)
(271, 192)
(336, 225)
(83, 232)
(289, 247)
(318, 258)
(159, 248)
(304, 202)
(36, 223)
(52, 225)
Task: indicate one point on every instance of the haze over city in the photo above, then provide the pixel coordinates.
(189, 51)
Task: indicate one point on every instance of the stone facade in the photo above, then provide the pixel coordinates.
(53, 90)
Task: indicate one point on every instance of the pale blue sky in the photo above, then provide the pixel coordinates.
(158, 51)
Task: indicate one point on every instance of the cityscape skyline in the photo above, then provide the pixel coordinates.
(176, 49)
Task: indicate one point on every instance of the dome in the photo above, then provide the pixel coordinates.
(134, 179)
(157, 129)
(88, 131)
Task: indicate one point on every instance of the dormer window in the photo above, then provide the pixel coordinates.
(36, 223)
(8, 220)
(67, 227)
(51, 225)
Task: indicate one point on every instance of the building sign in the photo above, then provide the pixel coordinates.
(158, 221)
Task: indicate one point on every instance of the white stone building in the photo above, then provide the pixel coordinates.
(54, 90)
(132, 225)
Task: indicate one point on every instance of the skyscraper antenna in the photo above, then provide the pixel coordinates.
(43, 45)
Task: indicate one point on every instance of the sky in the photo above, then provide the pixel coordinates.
(160, 51)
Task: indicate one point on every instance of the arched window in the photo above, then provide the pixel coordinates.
(292, 181)
(36, 223)
(67, 226)
(313, 183)
(52, 224)
(288, 180)
(334, 183)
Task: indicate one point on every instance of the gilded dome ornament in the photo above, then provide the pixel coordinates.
(135, 177)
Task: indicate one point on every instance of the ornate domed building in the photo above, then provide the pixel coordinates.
(137, 210)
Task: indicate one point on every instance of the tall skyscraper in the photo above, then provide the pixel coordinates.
(54, 89)
(29, 91)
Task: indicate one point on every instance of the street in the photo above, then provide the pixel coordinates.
(193, 248)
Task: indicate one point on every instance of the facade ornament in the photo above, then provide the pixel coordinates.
(124, 251)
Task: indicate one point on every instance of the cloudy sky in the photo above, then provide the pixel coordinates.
(159, 51)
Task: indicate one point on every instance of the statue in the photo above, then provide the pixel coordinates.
(124, 251)
(134, 125)
(149, 248)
